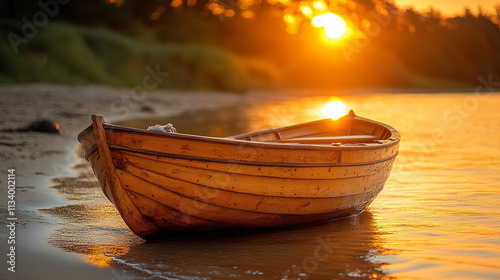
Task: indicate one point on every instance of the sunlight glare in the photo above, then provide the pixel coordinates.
(334, 109)
(335, 26)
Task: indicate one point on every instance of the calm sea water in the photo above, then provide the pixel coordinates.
(438, 216)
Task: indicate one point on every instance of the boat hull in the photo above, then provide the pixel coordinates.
(171, 184)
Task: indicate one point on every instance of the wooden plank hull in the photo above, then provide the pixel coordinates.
(166, 184)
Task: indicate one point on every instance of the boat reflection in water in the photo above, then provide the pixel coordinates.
(340, 249)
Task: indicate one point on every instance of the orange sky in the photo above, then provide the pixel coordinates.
(450, 7)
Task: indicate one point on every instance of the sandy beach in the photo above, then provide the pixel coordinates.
(42, 161)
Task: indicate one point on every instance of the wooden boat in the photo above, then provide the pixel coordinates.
(167, 184)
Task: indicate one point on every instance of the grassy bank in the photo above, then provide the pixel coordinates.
(65, 53)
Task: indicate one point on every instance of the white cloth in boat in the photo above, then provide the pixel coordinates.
(168, 128)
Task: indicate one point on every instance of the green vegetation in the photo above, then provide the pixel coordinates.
(121, 43)
(65, 53)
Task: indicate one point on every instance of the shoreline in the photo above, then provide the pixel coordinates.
(41, 161)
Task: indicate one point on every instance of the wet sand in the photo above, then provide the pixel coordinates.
(48, 165)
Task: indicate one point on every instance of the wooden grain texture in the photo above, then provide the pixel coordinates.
(252, 184)
(159, 186)
(137, 222)
(167, 183)
(298, 172)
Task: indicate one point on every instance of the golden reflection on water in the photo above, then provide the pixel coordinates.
(438, 216)
(441, 201)
(91, 225)
(95, 231)
(99, 255)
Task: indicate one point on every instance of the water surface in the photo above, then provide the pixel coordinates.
(438, 216)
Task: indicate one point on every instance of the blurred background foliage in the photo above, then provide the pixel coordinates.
(237, 45)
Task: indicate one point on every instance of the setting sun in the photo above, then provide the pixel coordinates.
(335, 26)
(334, 109)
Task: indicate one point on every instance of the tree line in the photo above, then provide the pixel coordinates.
(387, 46)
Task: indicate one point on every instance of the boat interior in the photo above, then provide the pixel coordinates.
(346, 130)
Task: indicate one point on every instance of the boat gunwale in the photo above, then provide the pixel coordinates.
(272, 145)
(253, 144)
